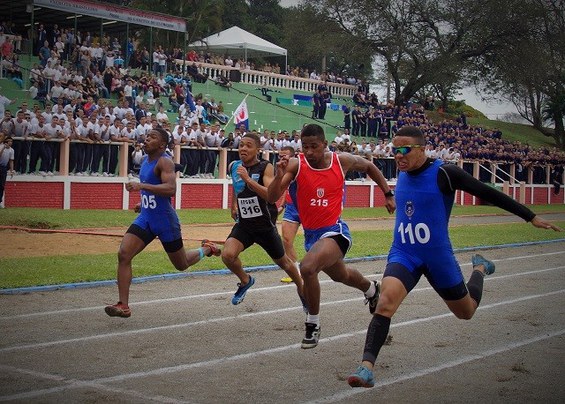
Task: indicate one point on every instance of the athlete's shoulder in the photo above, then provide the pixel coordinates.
(234, 164)
(164, 160)
(343, 157)
(451, 170)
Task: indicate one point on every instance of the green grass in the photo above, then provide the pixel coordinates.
(21, 272)
(516, 132)
(98, 218)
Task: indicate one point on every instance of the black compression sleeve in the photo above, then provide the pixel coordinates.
(452, 177)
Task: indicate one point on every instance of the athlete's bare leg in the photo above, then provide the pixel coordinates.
(289, 230)
(230, 256)
(131, 246)
(325, 255)
(182, 259)
(288, 265)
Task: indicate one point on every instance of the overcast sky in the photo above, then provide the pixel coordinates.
(289, 3)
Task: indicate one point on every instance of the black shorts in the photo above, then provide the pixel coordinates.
(147, 237)
(268, 239)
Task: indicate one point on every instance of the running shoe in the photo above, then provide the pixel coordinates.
(375, 299)
(362, 377)
(286, 279)
(214, 249)
(478, 259)
(118, 310)
(312, 336)
(241, 291)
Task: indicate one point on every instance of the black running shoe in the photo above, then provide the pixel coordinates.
(375, 299)
(312, 336)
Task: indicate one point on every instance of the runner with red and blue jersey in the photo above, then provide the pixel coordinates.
(290, 220)
(319, 176)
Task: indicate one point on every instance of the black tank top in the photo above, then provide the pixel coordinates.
(254, 212)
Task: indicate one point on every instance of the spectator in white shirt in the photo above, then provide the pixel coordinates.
(162, 115)
(296, 143)
(266, 142)
(128, 93)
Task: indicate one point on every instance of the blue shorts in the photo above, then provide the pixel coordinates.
(339, 229)
(165, 225)
(440, 268)
(290, 213)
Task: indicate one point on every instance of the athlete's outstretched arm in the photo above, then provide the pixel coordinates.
(451, 178)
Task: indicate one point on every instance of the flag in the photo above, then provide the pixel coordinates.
(190, 101)
(241, 115)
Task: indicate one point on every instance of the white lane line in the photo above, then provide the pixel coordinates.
(207, 295)
(228, 318)
(77, 384)
(249, 355)
(346, 394)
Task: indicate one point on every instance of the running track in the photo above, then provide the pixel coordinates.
(185, 342)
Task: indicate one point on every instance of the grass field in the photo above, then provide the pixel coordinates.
(32, 271)
(98, 218)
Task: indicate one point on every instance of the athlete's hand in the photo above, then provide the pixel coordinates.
(543, 224)
(242, 172)
(133, 186)
(282, 164)
(390, 205)
(137, 208)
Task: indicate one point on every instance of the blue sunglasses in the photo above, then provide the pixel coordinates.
(404, 150)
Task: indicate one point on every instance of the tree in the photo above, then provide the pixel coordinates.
(530, 70)
(424, 42)
(310, 37)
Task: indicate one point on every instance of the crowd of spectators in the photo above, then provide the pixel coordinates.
(448, 139)
(77, 74)
(96, 130)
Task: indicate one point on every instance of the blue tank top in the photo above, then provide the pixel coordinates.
(152, 204)
(422, 213)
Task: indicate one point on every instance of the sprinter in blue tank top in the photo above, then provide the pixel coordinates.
(157, 218)
(425, 193)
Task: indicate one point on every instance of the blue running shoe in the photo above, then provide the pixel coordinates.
(362, 377)
(242, 290)
(480, 260)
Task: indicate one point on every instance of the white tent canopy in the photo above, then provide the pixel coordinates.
(238, 42)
